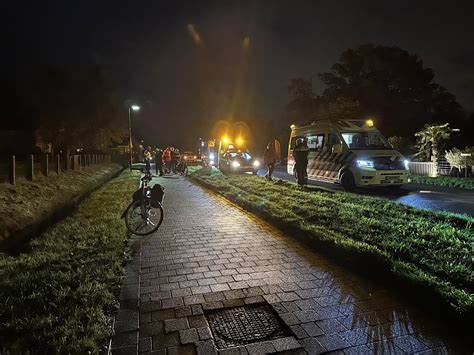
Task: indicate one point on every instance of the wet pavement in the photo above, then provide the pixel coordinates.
(210, 255)
(430, 197)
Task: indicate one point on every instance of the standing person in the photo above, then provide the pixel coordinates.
(147, 158)
(300, 154)
(159, 161)
(173, 160)
(269, 159)
(167, 158)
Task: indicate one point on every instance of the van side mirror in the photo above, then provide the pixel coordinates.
(337, 148)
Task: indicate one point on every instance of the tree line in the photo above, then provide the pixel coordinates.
(69, 110)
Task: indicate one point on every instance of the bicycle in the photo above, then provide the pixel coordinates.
(182, 168)
(144, 215)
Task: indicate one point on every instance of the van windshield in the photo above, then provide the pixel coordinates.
(366, 141)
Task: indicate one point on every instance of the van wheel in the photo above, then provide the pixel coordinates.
(347, 181)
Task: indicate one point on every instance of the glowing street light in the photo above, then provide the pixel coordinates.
(130, 108)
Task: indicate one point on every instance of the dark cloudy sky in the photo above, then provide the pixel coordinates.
(147, 49)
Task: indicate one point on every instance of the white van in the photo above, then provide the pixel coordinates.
(349, 152)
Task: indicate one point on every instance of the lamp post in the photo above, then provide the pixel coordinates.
(130, 108)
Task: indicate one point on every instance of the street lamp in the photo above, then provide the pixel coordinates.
(130, 108)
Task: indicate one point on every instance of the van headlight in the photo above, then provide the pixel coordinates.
(235, 164)
(406, 163)
(365, 163)
(256, 163)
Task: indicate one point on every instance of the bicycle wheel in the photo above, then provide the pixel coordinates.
(143, 217)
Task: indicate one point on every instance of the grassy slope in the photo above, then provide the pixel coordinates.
(31, 201)
(444, 181)
(56, 297)
(431, 248)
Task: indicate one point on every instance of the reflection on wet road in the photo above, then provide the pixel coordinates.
(429, 197)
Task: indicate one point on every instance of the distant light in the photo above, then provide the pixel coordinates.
(225, 140)
(369, 123)
(406, 163)
(135, 107)
(246, 43)
(196, 37)
(240, 141)
(293, 126)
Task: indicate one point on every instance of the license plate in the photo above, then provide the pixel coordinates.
(392, 180)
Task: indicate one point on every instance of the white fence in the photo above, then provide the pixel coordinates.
(422, 168)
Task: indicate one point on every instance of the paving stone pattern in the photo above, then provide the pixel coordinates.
(209, 254)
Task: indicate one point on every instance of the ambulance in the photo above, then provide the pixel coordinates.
(352, 153)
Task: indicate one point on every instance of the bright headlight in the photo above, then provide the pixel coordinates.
(406, 163)
(256, 163)
(211, 162)
(235, 164)
(211, 156)
(365, 163)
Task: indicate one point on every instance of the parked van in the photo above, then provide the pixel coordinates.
(349, 152)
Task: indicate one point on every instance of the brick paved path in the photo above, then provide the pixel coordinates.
(209, 254)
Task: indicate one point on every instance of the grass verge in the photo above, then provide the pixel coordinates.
(432, 250)
(32, 201)
(464, 183)
(56, 298)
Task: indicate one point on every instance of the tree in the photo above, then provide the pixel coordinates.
(302, 106)
(340, 108)
(390, 84)
(431, 140)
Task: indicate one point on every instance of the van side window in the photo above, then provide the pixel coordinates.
(315, 142)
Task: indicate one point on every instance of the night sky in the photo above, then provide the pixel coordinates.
(148, 49)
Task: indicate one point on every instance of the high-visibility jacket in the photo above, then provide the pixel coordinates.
(167, 155)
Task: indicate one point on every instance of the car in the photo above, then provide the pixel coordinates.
(238, 161)
(190, 157)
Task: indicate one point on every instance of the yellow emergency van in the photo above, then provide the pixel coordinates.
(352, 153)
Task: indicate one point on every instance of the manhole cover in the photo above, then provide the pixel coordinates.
(243, 325)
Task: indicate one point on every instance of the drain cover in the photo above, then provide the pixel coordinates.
(243, 325)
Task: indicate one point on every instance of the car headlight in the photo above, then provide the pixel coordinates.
(235, 164)
(211, 162)
(365, 163)
(211, 156)
(406, 163)
(256, 163)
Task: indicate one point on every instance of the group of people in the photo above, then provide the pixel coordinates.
(165, 160)
(300, 155)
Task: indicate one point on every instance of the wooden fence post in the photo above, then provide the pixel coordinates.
(46, 165)
(58, 164)
(31, 168)
(12, 171)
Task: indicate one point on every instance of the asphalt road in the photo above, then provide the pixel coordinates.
(431, 197)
